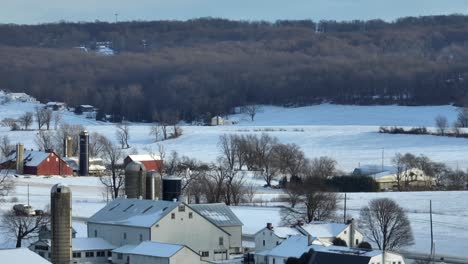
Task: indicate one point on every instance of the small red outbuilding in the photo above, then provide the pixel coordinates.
(151, 162)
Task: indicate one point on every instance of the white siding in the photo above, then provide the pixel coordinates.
(197, 233)
(346, 236)
(185, 255)
(115, 234)
(235, 240)
(268, 237)
(390, 258)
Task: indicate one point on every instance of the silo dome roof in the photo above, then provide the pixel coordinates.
(60, 188)
(135, 166)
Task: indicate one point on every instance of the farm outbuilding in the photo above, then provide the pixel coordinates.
(37, 162)
(151, 162)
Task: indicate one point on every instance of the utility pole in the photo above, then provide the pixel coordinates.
(28, 194)
(432, 235)
(383, 155)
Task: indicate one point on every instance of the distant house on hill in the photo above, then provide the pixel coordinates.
(88, 110)
(151, 162)
(56, 106)
(39, 163)
(217, 121)
(21, 97)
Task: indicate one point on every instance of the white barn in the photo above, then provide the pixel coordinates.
(132, 221)
(327, 232)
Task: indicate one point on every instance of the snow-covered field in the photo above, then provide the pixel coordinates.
(346, 133)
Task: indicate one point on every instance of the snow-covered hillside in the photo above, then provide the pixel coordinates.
(346, 133)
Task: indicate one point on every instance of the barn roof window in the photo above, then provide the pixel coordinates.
(114, 207)
(128, 208)
(147, 209)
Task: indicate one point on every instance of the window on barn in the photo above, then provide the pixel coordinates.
(76, 254)
(95, 233)
(101, 254)
(221, 241)
(205, 254)
(190, 215)
(173, 216)
(119, 256)
(263, 242)
(141, 238)
(181, 208)
(125, 235)
(90, 254)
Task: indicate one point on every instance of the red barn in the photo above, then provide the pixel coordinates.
(151, 162)
(40, 163)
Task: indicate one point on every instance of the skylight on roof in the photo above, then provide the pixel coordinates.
(147, 209)
(114, 207)
(125, 210)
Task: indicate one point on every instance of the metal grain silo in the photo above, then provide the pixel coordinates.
(153, 185)
(135, 180)
(61, 224)
(84, 154)
(171, 188)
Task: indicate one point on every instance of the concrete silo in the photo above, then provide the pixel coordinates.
(68, 147)
(171, 188)
(19, 158)
(135, 180)
(153, 185)
(61, 224)
(84, 154)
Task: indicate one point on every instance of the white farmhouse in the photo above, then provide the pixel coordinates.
(150, 252)
(270, 237)
(296, 246)
(327, 232)
(132, 221)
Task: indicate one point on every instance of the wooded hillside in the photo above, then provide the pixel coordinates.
(205, 67)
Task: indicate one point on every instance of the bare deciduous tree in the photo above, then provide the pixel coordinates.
(20, 227)
(26, 120)
(6, 183)
(156, 132)
(291, 159)
(45, 140)
(57, 118)
(111, 154)
(11, 123)
(123, 134)
(442, 124)
(5, 146)
(48, 116)
(323, 167)
(39, 114)
(251, 110)
(462, 117)
(95, 144)
(386, 224)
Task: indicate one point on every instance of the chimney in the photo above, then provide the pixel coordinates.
(270, 226)
(300, 222)
(19, 158)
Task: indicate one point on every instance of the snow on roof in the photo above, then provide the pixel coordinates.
(87, 106)
(322, 230)
(133, 212)
(151, 248)
(144, 157)
(90, 243)
(32, 158)
(285, 232)
(55, 103)
(21, 256)
(219, 213)
(295, 246)
(373, 169)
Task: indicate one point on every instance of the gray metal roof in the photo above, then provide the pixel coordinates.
(133, 212)
(219, 213)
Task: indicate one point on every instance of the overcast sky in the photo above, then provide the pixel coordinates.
(42, 11)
